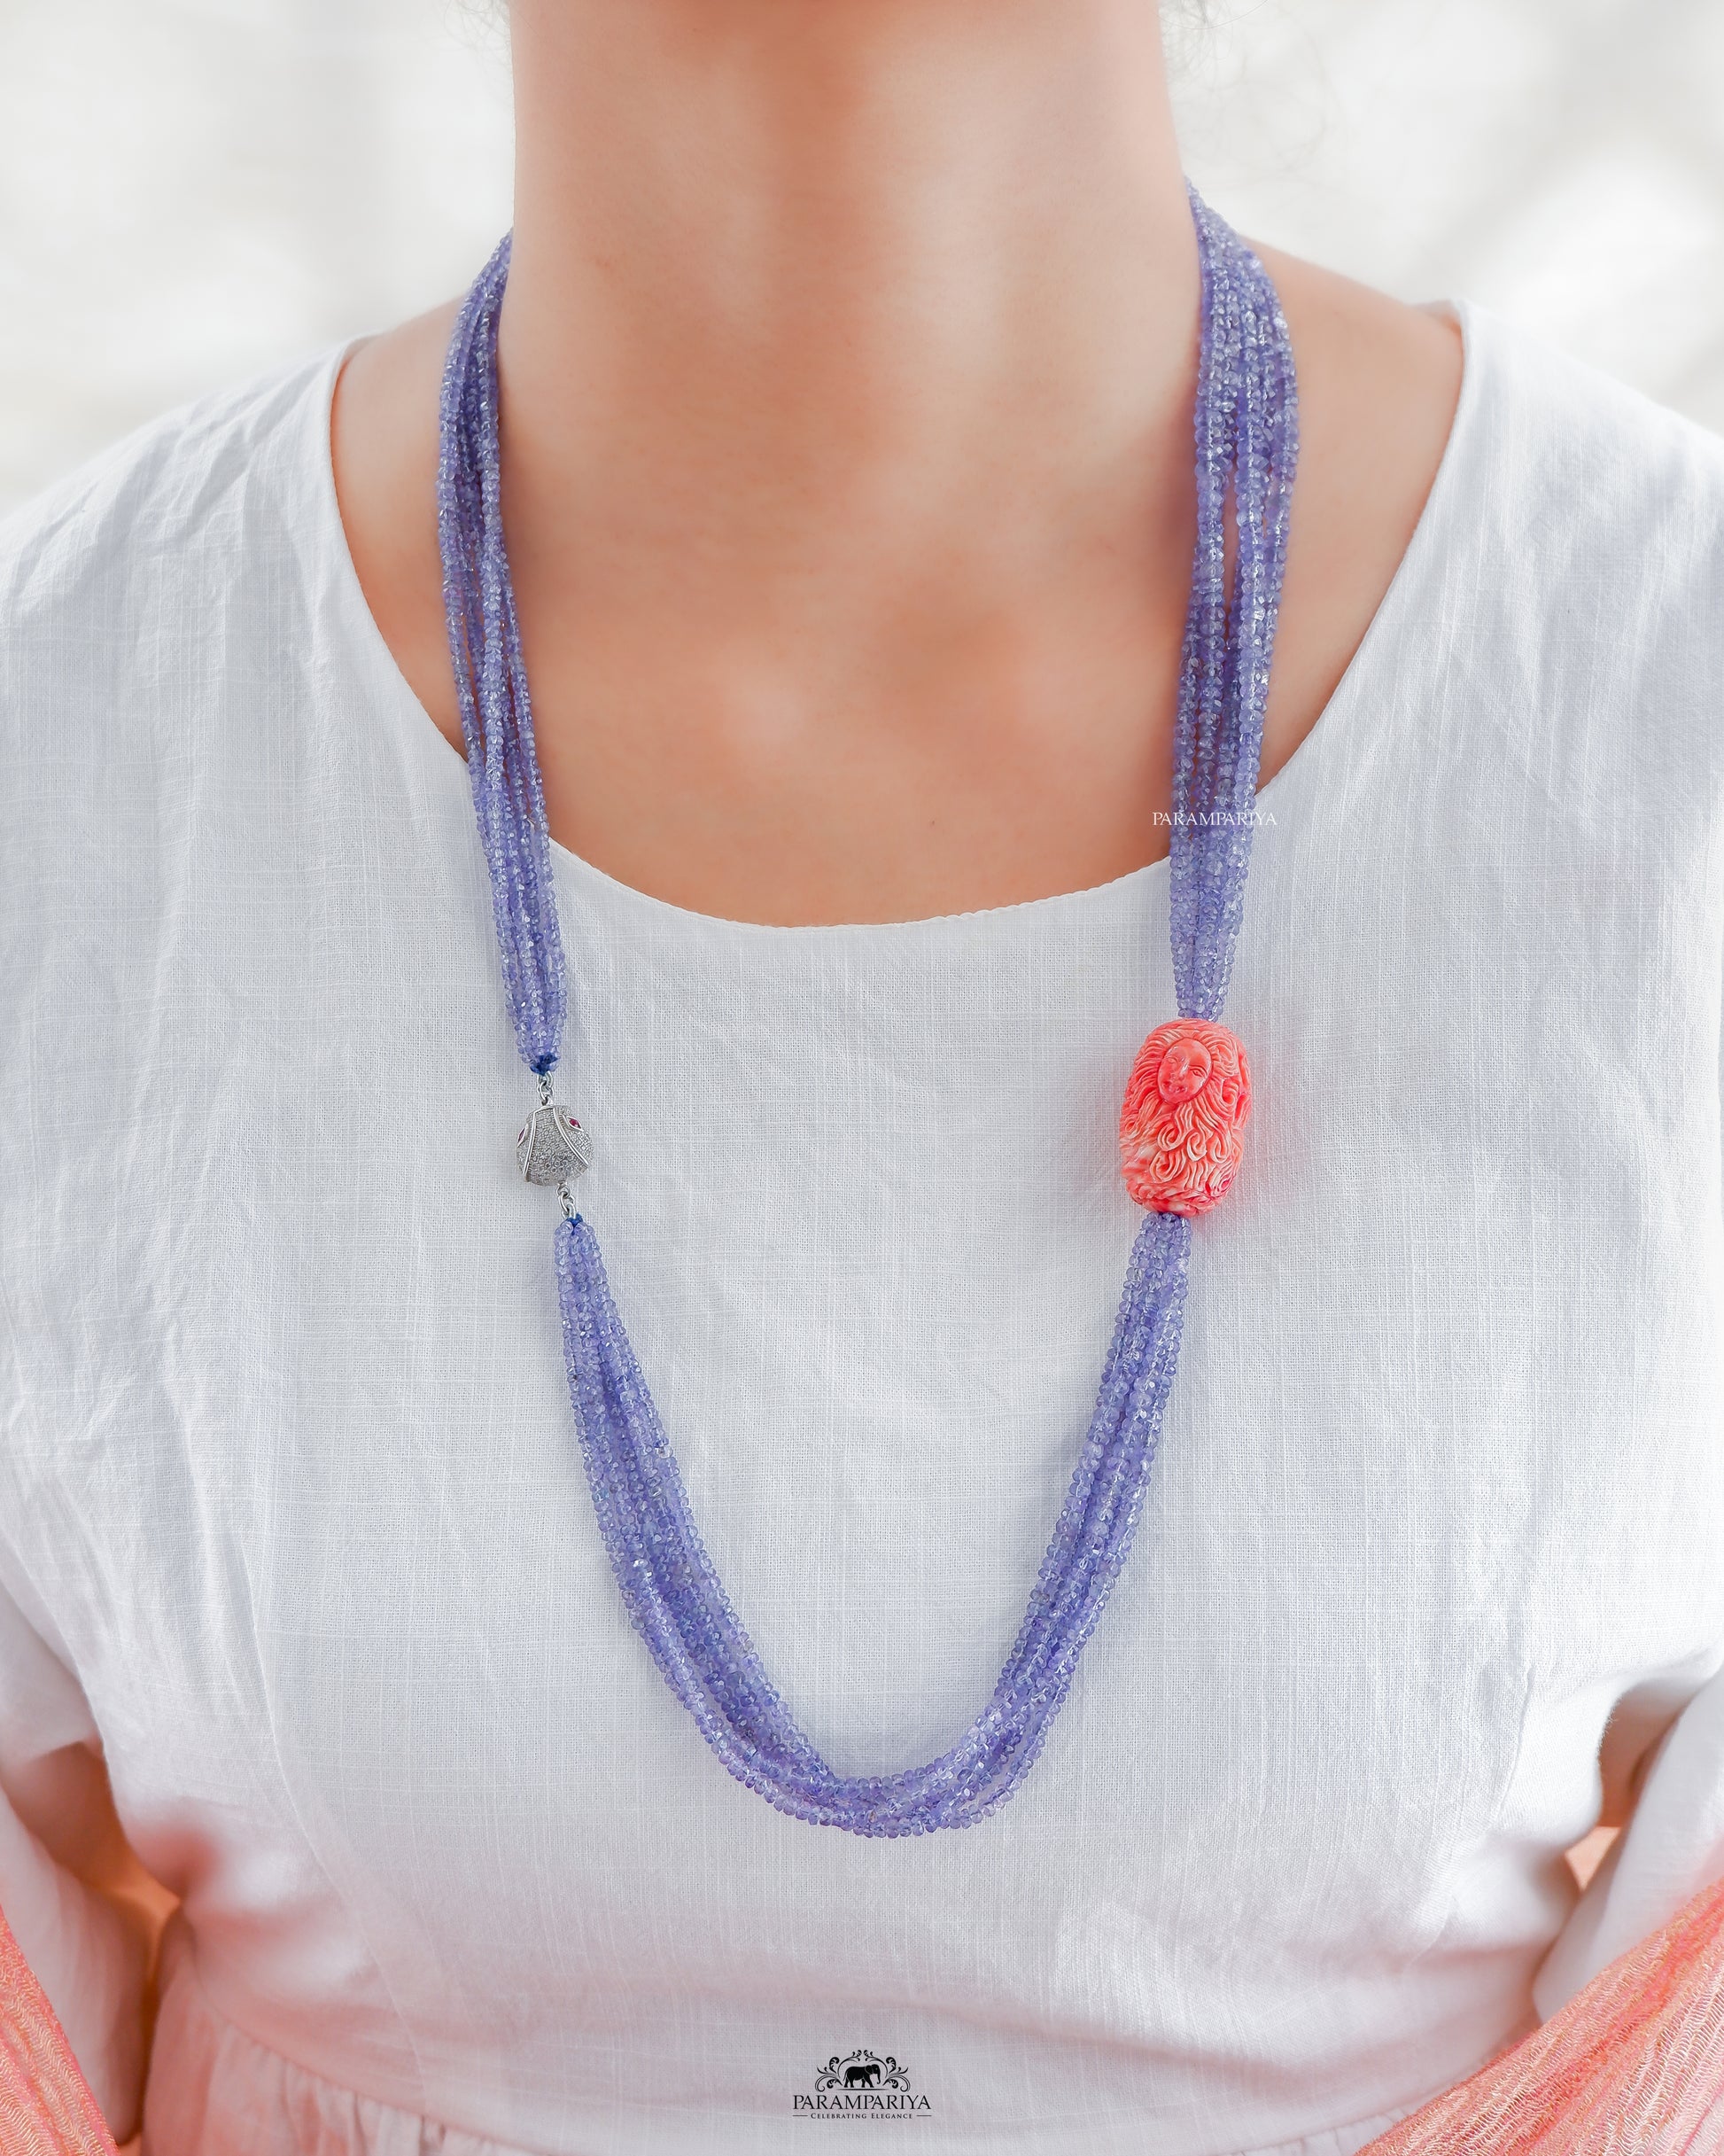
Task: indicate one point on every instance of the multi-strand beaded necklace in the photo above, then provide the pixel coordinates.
(1185, 1104)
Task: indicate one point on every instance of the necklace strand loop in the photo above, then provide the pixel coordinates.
(1188, 1095)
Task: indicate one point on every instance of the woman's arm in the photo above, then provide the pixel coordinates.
(72, 1893)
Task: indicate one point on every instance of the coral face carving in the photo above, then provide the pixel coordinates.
(1183, 1120)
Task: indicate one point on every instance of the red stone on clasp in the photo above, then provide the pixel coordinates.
(1183, 1120)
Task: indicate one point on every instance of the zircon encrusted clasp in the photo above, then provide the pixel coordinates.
(552, 1148)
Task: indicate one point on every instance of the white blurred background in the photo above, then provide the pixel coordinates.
(193, 190)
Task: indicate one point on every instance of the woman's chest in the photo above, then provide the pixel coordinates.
(1442, 1434)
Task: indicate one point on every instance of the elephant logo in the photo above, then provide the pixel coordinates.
(863, 2069)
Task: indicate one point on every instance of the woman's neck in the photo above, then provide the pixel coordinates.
(839, 289)
(847, 364)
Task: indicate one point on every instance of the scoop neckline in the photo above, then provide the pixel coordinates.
(422, 739)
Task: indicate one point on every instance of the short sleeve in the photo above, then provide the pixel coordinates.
(90, 1956)
(1672, 1846)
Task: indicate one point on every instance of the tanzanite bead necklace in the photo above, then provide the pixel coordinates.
(1185, 1103)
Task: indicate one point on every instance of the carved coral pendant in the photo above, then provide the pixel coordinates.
(1182, 1122)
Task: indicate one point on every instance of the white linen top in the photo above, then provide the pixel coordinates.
(293, 1526)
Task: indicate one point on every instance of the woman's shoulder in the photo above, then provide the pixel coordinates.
(1571, 593)
(1534, 451)
(153, 607)
(1579, 476)
(1573, 628)
(137, 554)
